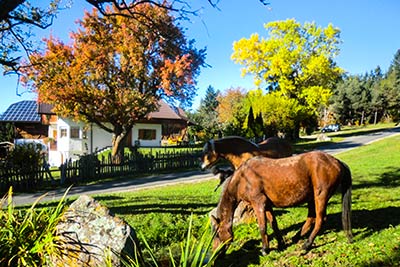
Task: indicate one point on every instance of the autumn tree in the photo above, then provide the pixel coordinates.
(295, 63)
(17, 19)
(116, 69)
(231, 111)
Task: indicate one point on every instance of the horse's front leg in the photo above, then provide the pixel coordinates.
(274, 225)
(259, 208)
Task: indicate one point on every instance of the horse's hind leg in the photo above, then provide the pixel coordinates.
(320, 214)
(259, 208)
(307, 225)
(274, 225)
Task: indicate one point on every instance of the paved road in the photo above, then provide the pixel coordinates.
(356, 141)
(186, 177)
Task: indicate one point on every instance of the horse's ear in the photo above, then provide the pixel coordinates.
(211, 143)
(206, 147)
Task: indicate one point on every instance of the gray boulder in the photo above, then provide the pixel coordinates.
(243, 214)
(91, 236)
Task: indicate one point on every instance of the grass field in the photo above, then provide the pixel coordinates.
(162, 216)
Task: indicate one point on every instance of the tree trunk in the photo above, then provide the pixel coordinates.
(362, 117)
(118, 145)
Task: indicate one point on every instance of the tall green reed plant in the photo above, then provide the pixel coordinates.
(27, 236)
(194, 252)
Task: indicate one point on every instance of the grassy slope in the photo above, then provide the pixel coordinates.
(376, 217)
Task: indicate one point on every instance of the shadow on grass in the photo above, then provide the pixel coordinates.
(163, 205)
(187, 209)
(389, 178)
(392, 260)
(371, 220)
(248, 254)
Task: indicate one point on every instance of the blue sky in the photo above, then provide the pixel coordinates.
(369, 32)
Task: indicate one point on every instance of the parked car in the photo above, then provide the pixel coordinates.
(330, 128)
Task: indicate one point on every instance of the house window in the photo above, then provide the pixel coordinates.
(147, 134)
(74, 132)
(63, 132)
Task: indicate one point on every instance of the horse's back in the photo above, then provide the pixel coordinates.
(288, 181)
(275, 147)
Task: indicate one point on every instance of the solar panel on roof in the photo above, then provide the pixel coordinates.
(24, 111)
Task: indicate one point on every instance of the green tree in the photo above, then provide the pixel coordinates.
(207, 115)
(391, 89)
(116, 70)
(378, 101)
(254, 126)
(296, 63)
(7, 132)
(353, 99)
(341, 103)
(250, 125)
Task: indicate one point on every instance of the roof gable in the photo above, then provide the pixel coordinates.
(166, 111)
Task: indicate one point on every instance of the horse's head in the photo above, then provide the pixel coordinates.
(210, 156)
(223, 234)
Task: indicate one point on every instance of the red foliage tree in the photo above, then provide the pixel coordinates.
(116, 69)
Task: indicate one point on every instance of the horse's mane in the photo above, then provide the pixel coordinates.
(238, 138)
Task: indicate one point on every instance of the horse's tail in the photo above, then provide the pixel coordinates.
(346, 201)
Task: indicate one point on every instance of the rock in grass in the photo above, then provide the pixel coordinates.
(91, 236)
(244, 213)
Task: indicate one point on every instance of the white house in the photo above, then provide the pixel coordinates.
(68, 139)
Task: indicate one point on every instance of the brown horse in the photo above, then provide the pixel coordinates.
(262, 182)
(237, 150)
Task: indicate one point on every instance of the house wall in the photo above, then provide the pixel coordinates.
(138, 136)
(73, 139)
(98, 138)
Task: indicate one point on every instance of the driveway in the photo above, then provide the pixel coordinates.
(183, 177)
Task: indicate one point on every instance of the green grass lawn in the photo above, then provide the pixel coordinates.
(162, 216)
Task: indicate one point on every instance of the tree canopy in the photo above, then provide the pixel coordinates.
(116, 69)
(294, 63)
(19, 17)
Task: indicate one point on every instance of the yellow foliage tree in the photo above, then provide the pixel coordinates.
(296, 64)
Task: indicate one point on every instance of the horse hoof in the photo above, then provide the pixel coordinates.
(264, 252)
(306, 246)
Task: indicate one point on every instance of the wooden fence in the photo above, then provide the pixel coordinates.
(22, 179)
(90, 167)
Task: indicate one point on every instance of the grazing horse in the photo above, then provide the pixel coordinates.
(237, 150)
(262, 182)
